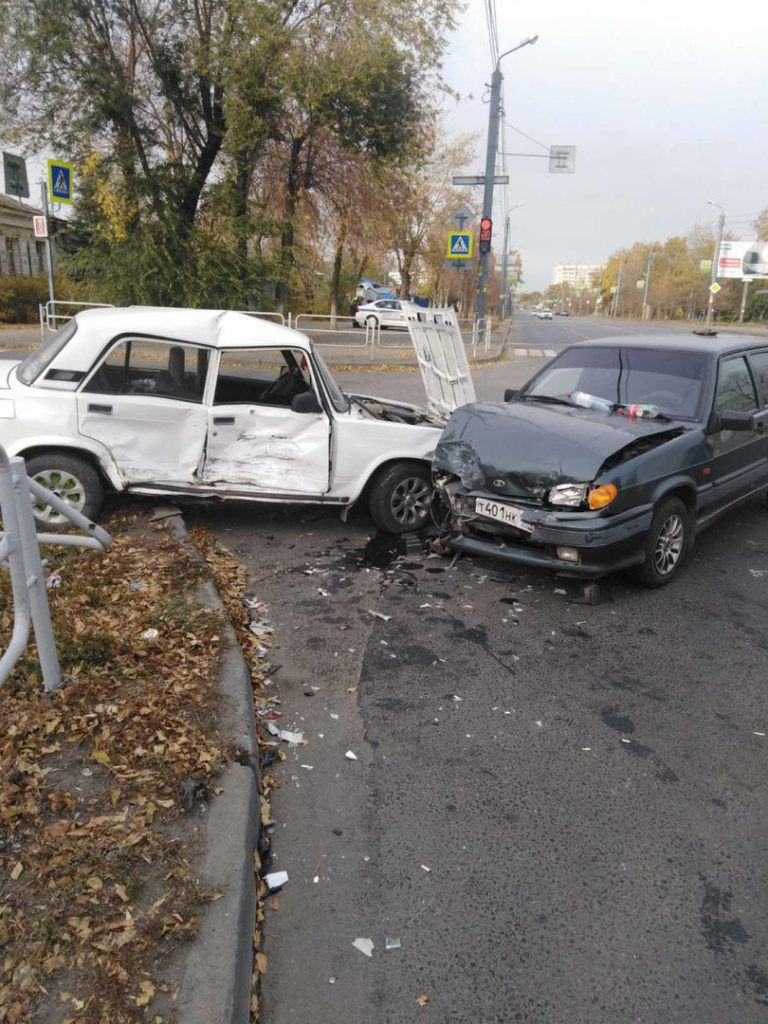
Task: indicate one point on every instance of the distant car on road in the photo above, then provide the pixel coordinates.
(384, 313)
(543, 314)
(562, 312)
(616, 454)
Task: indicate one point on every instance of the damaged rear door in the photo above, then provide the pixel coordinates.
(256, 442)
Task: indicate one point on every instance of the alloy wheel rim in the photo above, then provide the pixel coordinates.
(410, 501)
(65, 486)
(669, 544)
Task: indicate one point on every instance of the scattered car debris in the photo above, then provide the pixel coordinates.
(758, 572)
(365, 946)
(291, 737)
(392, 943)
(422, 1000)
(193, 791)
(351, 755)
(275, 880)
(425, 868)
(379, 615)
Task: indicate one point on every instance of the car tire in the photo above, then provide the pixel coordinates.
(372, 322)
(73, 479)
(666, 544)
(401, 497)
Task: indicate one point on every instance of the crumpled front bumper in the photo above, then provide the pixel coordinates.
(605, 543)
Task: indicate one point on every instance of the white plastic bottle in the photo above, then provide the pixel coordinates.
(591, 401)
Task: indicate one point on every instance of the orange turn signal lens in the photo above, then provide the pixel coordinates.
(601, 496)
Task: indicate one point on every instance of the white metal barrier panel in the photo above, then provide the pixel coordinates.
(20, 552)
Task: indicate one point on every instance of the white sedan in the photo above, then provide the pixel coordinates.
(384, 313)
(214, 403)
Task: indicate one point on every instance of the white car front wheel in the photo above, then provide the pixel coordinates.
(71, 479)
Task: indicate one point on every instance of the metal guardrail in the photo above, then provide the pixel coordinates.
(20, 552)
(318, 324)
(53, 313)
(52, 319)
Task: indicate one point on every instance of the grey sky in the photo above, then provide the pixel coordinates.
(666, 102)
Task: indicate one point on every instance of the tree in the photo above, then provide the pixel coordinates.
(181, 99)
(760, 225)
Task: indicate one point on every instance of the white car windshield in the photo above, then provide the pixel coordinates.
(338, 398)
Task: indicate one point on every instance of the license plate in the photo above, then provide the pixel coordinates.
(502, 513)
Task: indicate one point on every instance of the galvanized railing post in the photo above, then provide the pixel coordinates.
(35, 580)
(10, 550)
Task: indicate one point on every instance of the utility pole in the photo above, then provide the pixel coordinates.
(504, 285)
(743, 307)
(647, 284)
(490, 170)
(48, 244)
(715, 260)
(618, 292)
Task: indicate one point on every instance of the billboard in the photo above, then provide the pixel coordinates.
(747, 261)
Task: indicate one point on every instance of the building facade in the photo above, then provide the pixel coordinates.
(578, 275)
(20, 252)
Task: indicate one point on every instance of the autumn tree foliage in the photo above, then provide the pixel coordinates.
(200, 128)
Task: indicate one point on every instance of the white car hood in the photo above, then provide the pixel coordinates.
(442, 360)
(6, 368)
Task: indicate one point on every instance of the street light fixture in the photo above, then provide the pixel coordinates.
(490, 169)
(715, 259)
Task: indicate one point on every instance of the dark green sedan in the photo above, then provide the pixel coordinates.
(615, 455)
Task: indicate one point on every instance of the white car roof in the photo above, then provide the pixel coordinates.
(217, 328)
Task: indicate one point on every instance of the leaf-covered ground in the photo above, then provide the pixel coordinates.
(98, 888)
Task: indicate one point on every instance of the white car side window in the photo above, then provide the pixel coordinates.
(140, 366)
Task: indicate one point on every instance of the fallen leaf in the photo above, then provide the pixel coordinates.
(147, 993)
(120, 890)
(422, 1000)
(261, 963)
(17, 869)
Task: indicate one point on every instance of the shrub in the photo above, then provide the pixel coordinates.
(20, 298)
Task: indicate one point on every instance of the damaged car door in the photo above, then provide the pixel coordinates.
(144, 403)
(260, 438)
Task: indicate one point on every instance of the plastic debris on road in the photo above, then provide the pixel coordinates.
(364, 945)
(392, 944)
(379, 615)
(422, 1000)
(276, 880)
(425, 868)
(150, 634)
(291, 737)
(350, 755)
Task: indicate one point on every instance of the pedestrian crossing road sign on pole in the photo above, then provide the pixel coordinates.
(460, 245)
(59, 181)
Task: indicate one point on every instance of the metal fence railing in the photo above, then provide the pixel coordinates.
(20, 552)
(325, 330)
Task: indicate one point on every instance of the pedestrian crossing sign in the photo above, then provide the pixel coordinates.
(59, 181)
(460, 245)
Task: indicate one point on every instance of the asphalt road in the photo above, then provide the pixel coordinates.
(558, 809)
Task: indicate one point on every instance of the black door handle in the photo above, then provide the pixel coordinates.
(220, 421)
(106, 409)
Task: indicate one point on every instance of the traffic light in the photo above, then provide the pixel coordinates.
(486, 230)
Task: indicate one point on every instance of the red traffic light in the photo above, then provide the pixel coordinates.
(486, 228)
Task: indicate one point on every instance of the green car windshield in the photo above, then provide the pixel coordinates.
(672, 380)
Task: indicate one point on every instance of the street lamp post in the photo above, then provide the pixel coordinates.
(715, 259)
(490, 170)
(504, 285)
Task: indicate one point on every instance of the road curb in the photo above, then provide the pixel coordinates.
(216, 982)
